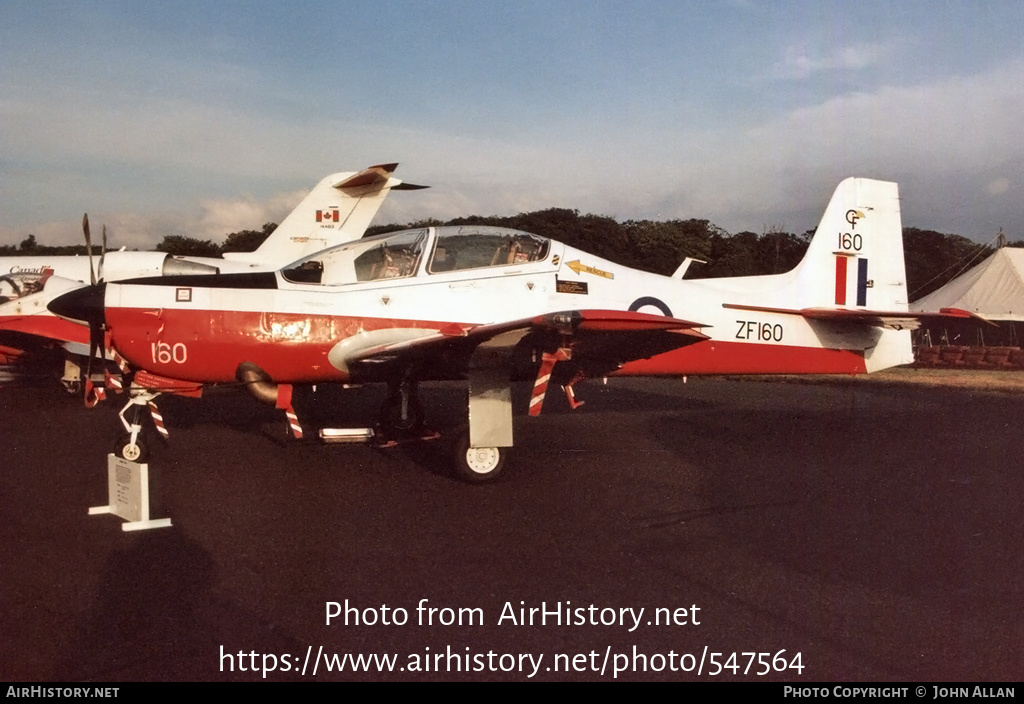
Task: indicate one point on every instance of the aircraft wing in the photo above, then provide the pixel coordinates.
(27, 318)
(600, 340)
(898, 320)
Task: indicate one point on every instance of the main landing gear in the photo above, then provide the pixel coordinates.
(478, 465)
(401, 414)
(481, 452)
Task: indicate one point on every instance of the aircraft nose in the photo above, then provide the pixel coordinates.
(84, 304)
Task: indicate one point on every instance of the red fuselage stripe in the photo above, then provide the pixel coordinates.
(207, 346)
(717, 357)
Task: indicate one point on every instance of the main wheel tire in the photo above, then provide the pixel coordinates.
(391, 421)
(478, 465)
(126, 450)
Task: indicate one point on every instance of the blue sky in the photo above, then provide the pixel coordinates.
(202, 118)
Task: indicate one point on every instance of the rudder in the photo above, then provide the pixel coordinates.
(338, 210)
(855, 259)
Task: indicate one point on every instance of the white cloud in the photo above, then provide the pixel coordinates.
(221, 217)
(952, 144)
(945, 142)
(998, 187)
(801, 62)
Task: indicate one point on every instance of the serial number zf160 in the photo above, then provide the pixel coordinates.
(762, 332)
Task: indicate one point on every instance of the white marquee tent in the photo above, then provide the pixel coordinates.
(994, 289)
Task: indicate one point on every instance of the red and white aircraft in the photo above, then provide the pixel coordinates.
(492, 304)
(337, 210)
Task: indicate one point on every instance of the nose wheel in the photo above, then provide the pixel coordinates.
(133, 450)
(131, 444)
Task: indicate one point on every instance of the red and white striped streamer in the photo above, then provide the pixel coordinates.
(93, 394)
(158, 420)
(540, 387)
(112, 382)
(293, 422)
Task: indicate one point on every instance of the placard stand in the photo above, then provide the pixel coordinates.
(128, 493)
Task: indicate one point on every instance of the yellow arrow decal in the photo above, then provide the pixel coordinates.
(583, 268)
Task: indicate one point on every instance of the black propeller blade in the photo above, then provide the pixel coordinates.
(88, 247)
(87, 305)
(103, 255)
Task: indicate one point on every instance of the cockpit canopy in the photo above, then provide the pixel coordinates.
(400, 255)
(459, 248)
(20, 284)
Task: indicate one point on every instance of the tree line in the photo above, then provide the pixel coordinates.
(932, 258)
(177, 245)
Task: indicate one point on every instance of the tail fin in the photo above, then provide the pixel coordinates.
(851, 285)
(855, 260)
(337, 210)
(854, 267)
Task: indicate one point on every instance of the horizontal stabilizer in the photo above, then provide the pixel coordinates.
(896, 320)
(375, 177)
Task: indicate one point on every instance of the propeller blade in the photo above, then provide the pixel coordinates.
(88, 363)
(96, 345)
(103, 254)
(88, 247)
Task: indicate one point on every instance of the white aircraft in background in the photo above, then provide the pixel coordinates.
(337, 210)
(490, 305)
